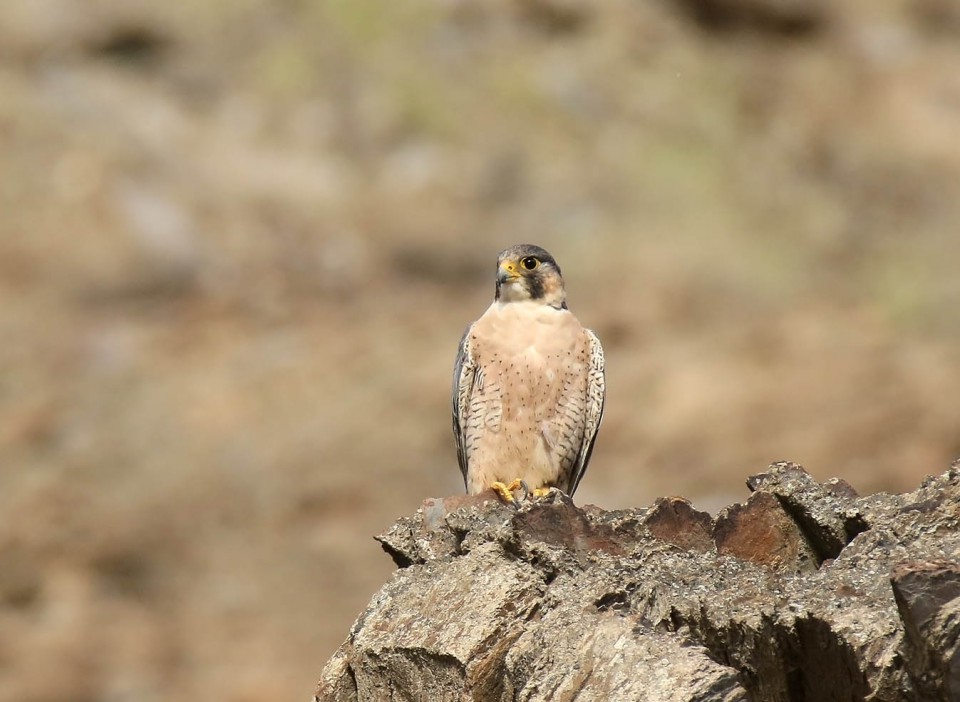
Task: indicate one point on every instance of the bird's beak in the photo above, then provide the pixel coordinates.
(507, 272)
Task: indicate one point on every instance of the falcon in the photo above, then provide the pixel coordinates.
(528, 385)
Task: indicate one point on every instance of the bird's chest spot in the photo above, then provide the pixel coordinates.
(528, 357)
(530, 382)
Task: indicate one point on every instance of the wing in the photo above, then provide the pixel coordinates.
(593, 413)
(464, 377)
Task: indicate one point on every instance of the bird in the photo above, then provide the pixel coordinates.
(528, 385)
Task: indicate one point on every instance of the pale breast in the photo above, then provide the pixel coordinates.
(526, 415)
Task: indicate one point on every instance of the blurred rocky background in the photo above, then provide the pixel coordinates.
(239, 242)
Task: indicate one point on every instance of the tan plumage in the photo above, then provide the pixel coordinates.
(528, 386)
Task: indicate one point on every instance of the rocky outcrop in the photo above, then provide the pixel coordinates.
(803, 593)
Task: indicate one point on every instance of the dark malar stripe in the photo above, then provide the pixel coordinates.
(535, 286)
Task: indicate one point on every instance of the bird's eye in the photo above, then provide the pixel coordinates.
(530, 262)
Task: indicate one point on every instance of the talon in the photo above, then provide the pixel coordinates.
(506, 491)
(516, 485)
(526, 490)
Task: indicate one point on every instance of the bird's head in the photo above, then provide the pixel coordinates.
(529, 273)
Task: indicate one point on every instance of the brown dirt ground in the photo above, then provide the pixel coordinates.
(239, 243)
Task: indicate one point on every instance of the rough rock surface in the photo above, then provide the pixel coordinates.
(804, 593)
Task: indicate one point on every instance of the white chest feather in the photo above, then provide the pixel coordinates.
(526, 329)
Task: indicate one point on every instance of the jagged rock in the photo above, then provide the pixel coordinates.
(761, 531)
(805, 592)
(928, 598)
(827, 513)
(674, 520)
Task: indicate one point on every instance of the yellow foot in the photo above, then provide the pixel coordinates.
(506, 491)
(541, 492)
